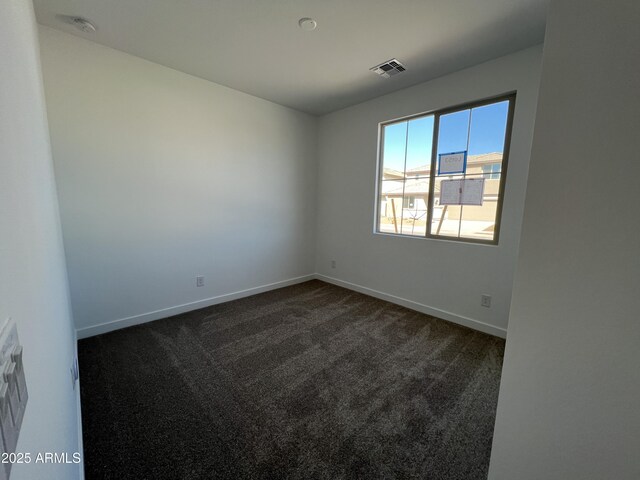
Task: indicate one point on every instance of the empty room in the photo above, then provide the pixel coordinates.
(319, 239)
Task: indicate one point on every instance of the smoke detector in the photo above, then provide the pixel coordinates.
(79, 23)
(307, 24)
(389, 68)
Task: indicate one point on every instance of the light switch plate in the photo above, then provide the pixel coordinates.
(75, 372)
(13, 390)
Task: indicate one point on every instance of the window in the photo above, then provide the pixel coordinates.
(408, 202)
(491, 171)
(442, 174)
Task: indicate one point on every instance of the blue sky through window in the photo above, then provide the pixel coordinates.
(488, 128)
(412, 140)
(420, 142)
(452, 136)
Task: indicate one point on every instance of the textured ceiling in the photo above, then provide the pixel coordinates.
(256, 46)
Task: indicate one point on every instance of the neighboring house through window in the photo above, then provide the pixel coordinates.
(442, 174)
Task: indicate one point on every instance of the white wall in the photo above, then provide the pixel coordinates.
(33, 282)
(570, 392)
(164, 176)
(441, 277)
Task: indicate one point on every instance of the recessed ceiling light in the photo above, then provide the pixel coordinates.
(307, 24)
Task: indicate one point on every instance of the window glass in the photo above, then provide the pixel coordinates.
(492, 171)
(419, 143)
(487, 129)
(468, 177)
(404, 187)
(454, 132)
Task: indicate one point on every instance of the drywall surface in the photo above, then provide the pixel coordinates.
(568, 406)
(33, 280)
(442, 277)
(163, 177)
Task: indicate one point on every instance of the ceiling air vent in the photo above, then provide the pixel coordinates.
(389, 68)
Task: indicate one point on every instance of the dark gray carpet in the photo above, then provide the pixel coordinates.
(307, 382)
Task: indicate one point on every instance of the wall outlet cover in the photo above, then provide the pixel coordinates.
(485, 301)
(75, 372)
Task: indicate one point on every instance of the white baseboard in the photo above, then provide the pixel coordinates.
(419, 307)
(186, 307)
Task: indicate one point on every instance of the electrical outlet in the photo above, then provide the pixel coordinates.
(333, 264)
(485, 300)
(199, 281)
